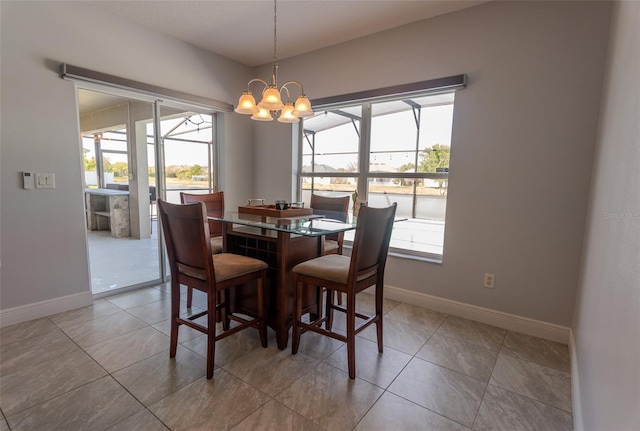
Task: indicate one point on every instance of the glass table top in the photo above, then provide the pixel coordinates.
(310, 225)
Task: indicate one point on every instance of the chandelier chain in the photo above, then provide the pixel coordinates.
(275, 26)
(272, 101)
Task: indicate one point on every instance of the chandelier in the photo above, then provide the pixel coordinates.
(271, 101)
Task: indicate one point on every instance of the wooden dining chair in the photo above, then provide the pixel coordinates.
(186, 234)
(335, 208)
(349, 275)
(214, 203)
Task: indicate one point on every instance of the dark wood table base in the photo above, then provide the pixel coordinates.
(281, 252)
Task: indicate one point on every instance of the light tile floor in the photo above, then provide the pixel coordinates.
(107, 367)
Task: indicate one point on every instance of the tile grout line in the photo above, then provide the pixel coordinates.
(484, 393)
(70, 390)
(529, 362)
(386, 389)
(414, 356)
(145, 407)
(320, 361)
(108, 374)
(324, 361)
(531, 399)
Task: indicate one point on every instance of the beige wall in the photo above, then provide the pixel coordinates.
(607, 320)
(522, 148)
(43, 249)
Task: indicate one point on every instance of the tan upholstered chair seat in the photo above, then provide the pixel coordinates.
(332, 267)
(227, 265)
(216, 244)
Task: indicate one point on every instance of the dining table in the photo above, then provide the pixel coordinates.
(282, 242)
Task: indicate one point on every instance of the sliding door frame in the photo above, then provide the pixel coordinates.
(159, 97)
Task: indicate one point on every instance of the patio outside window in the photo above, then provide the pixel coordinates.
(395, 150)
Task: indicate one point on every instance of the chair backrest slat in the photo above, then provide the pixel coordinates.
(331, 207)
(186, 235)
(371, 242)
(214, 203)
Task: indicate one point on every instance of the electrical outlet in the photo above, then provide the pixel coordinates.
(489, 280)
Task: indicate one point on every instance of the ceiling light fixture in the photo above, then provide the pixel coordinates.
(271, 101)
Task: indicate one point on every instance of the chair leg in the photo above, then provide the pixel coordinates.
(175, 313)
(318, 308)
(189, 296)
(329, 310)
(211, 332)
(351, 334)
(379, 315)
(262, 309)
(339, 295)
(223, 312)
(297, 315)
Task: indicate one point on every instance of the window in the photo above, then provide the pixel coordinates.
(188, 153)
(395, 149)
(112, 163)
(330, 152)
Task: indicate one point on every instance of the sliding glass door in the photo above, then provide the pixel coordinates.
(125, 170)
(188, 152)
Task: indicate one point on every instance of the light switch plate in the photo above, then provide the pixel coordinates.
(45, 181)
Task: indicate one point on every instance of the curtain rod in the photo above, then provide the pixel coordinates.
(430, 86)
(68, 71)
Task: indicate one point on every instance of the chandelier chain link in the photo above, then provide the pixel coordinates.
(275, 26)
(272, 102)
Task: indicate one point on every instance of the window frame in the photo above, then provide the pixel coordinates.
(362, 175)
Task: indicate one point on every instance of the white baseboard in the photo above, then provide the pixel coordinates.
(512, 322)
(575, 385)
(23, 313)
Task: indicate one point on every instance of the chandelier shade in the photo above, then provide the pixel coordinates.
(262, 115)
(303, 107)
(287, 115)
(246, 104)
(272, 101)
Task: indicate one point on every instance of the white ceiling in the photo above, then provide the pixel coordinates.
(242, 30)
(91, 101)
